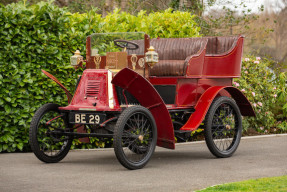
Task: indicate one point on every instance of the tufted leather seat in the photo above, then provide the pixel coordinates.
(174, 54)
(169, 68)
(220, 45)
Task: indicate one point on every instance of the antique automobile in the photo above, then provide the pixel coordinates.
(142, 93)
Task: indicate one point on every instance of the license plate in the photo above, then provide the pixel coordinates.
(87, 118)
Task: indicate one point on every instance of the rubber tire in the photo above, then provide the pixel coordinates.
(208, 121)
(125, 115)
(33, 136)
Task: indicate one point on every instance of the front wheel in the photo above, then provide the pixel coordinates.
(223, 127)
(45, 137)
(135, 137)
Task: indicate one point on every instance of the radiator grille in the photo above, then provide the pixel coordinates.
(93, 88)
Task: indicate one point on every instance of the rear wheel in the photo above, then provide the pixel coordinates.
(135, 137)
(45, 136)
(223, 127)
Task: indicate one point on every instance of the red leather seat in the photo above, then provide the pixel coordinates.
(169, 68)
(220, 45)
(174, 53)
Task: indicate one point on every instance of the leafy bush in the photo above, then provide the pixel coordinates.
(266, 90)
(31, 39)
(168, 24)
(43, 36)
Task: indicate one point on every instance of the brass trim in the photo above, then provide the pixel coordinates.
(141, 137)
(79, 60)
(141, 62)
(114, 70)
(97, 60)
(134, 59)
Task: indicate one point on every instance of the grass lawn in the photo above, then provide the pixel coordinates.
(253, 185)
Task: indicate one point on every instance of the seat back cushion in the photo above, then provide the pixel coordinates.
(174, 53)
(176, 48)
(220, 45)
(211, 47)
(224, 44)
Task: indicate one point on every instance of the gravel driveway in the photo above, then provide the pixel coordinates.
(187, 168)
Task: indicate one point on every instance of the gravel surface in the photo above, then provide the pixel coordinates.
(187, 168)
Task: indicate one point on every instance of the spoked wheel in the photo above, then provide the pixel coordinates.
(46, 140)
(135, 137)
(223, 127)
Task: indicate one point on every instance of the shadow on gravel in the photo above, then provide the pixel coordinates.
(105, 158)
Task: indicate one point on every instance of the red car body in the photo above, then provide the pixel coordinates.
(180, 83)
(207, 76)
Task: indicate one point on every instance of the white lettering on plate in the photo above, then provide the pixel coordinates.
(77, 118)
(91, 119)
(83, 117)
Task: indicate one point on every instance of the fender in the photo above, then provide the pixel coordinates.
(148, 97)
(80, 129)
(205, 101)
(69, 95)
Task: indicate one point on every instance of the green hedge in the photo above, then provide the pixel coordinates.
(44, 36)
(266, 90)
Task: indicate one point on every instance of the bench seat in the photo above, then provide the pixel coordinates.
(176, 54)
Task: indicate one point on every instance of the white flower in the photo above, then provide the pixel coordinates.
(246, 59)
(258, 58)
(257, 62)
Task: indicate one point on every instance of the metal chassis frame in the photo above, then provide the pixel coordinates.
(81, 135)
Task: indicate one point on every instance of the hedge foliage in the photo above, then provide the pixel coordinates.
(44, 36)
(266, 90)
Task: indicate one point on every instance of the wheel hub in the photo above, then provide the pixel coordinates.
(140, 138)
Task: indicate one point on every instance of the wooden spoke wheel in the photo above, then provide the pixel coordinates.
(45, 136)
(223, 127)
(135, 137)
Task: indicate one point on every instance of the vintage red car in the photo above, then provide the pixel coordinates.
(145, 92)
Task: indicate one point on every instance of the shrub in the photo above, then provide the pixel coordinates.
(32, 38)
(43, 36)
(263, 87)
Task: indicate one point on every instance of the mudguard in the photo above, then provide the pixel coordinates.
(81, 129)
(205, 101)
(148, 97)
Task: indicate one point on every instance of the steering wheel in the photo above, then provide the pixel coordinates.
(126, 44)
